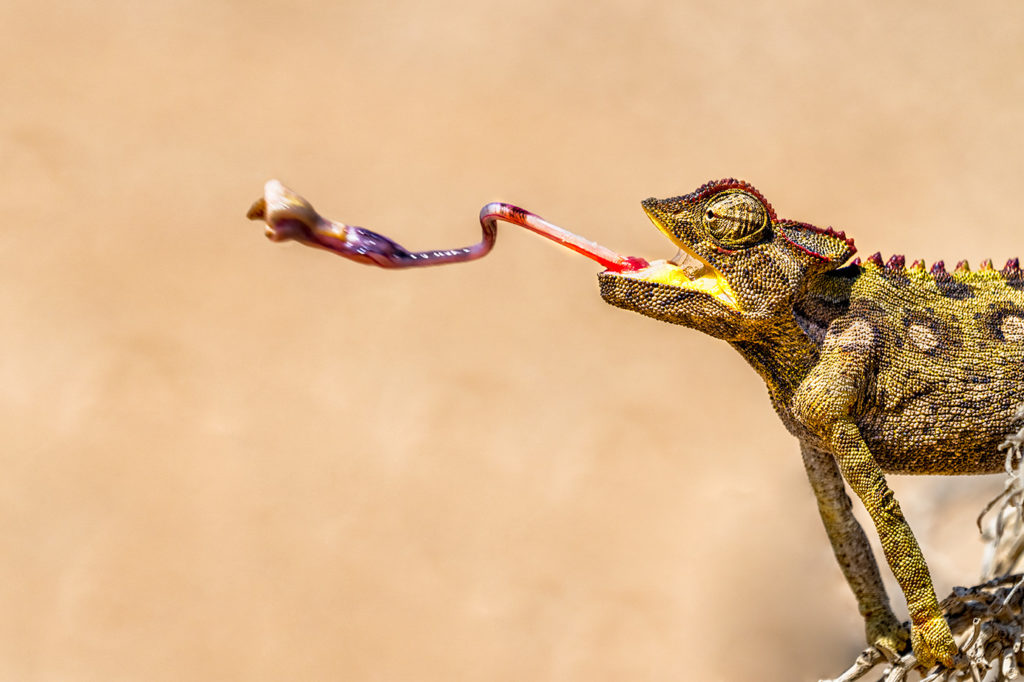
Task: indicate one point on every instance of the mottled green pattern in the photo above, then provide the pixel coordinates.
(874, 368)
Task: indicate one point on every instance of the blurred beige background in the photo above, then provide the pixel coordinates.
(228, 460)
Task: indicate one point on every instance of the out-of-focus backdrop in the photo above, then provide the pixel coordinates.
(226, 459)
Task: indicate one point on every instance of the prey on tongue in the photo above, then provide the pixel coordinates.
(289, 216)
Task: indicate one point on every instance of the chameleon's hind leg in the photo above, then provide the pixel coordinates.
(853, 552)
(823, 403)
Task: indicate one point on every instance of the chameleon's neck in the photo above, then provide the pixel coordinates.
(782, 357)
(785, 349)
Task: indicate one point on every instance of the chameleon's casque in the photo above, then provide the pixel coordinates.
(873, 367)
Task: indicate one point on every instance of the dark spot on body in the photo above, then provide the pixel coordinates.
(927, 333)
(992, 319)
(950, 288)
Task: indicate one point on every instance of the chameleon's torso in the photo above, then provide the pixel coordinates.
(948, 361)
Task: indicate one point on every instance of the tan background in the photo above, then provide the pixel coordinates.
(228, 460)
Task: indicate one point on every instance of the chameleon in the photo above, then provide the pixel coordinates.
(875, 367)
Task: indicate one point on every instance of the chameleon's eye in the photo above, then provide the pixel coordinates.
(736, 219)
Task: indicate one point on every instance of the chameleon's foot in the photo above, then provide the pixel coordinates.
(888, 635)
(933, 643)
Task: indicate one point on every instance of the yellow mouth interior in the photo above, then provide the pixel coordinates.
(696, 275)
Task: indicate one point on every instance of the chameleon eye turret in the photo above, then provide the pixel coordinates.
(735, 219)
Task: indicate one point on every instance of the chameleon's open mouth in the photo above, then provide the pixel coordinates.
(686, 270)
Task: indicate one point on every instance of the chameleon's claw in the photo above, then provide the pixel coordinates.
(887, 634)
(933, 643)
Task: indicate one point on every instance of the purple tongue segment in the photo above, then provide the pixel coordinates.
(289, 216)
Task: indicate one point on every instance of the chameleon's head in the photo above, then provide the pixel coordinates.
(737, 265)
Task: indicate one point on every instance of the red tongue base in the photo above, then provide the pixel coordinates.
(630, 263)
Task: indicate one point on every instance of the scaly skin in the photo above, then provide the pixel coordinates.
(874, 368)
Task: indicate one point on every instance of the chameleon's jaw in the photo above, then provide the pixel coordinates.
(705, 280)
(686, 271)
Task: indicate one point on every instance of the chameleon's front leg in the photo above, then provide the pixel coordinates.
(852, 550)
(823, 403)
(929, 632)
